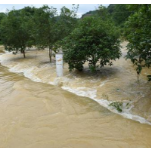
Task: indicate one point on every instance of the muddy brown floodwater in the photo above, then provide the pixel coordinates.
(37, 109)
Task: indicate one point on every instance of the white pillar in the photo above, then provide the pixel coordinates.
(59, 64)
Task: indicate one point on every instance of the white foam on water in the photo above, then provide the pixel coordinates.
(125, 112)
(80, 91)
(91, 93)
(27, 72)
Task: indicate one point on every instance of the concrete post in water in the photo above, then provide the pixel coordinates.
(59, 64)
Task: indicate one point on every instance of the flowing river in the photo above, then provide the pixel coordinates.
(37, 109)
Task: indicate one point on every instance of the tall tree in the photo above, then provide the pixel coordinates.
(67, 21)
(28, 13)
(15, 31)
(44, 26)
(2, 15)
(49, 27)
(138, 33)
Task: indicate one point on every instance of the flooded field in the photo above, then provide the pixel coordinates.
(38, 109)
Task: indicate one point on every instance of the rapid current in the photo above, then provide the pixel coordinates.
(39, 109)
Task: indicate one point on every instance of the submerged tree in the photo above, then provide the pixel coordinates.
(15, 31)
(49, 27)
(44, 27)
(138, 33)
(94, 40)
(2, 15)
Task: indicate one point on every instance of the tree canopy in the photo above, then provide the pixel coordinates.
(15, 31)
(138, 33)
(93, 40)
(41, 27)
(118, 13)
(2, 15)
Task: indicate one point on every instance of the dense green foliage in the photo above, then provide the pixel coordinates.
(138, 34)
(94, 40)
(41, 27)
(67, 21)
(49, 28)
(2, 15)
(118, 13)
(15, 31)
(44, 28)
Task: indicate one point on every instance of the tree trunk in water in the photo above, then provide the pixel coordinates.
(138, 78)
(24, 53)
(93, 61)
(50, 53)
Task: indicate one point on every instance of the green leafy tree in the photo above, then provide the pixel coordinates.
(66, 22)
(44, 27)
(111, 8)
(15, 31)
(119, 13)
(2, 15)
(28, 13)
(94, 40)
(138, 33)
(50, 28)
